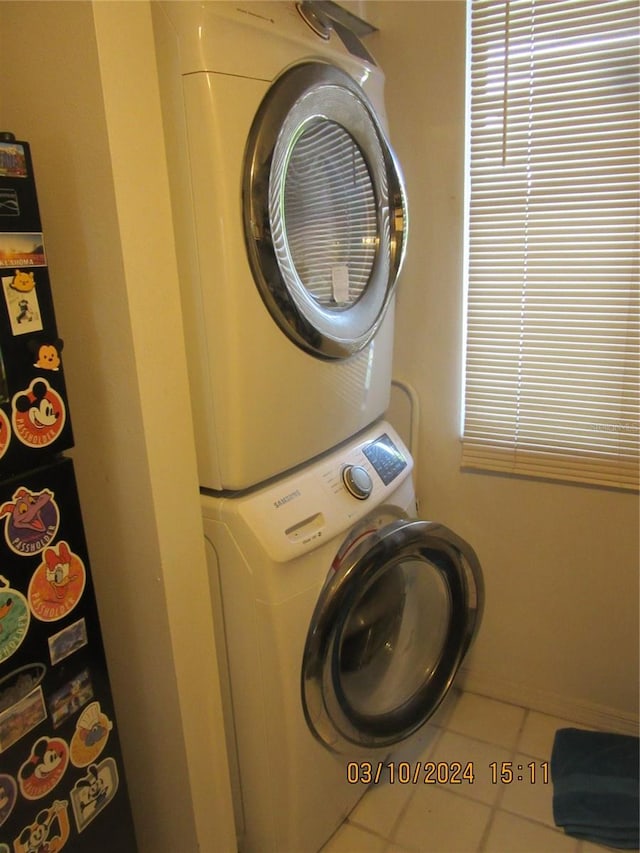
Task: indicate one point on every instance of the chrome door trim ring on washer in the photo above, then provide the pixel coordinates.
(330, 717)
(303, 97)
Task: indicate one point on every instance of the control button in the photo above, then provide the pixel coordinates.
(357, 481)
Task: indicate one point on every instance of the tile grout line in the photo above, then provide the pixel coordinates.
(510, 752)
(390, 838)
(496, 805)
(405, 808)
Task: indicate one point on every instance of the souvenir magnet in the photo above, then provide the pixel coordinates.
(21, 703)
(57, 584)
(90, 737)
(67, 641)
(21, 718)
(13, 160)
(5, 433)
(22, 249)
(48, 832)
(8, 796)
(44, 768)
(93, 792)
(14, 619)
(68, 700)
(9, 204)
(38, 414)
(21, 298)
(17, 684)
(48, 356)
(32, 521)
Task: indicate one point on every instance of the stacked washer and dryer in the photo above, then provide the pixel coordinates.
(342, 618)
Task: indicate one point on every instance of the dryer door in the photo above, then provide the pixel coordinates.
(325, 215)
(388, 635)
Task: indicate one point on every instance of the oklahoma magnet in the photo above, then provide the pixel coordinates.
(32, 520)
(22, 249)
(38, 414)
(57, 584)
(14, 619)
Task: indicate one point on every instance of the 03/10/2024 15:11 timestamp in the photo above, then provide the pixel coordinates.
(446, 772)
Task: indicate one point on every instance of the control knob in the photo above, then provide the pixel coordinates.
(357, 481)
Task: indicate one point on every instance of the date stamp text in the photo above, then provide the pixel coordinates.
(446, 773)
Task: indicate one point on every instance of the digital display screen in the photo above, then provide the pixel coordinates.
(386, 459)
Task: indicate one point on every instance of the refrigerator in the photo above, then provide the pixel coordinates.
(62, 779)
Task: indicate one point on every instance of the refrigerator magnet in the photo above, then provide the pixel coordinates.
(44, 767)
(68, 700)
(48, 356)
(38, 414)
(5, 433)
(22, 249)
(49, 831)
(32, 521)
(8, 796)
(14, 619)
(90, 736)
(22, 703)
(9, 202)
(67, 641)
(21, 299)
(93, 792)
(13, 160)
(57, 584)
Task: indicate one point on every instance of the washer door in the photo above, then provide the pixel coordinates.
(324, 206)
(388, 635)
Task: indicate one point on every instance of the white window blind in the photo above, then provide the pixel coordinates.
(551, 378)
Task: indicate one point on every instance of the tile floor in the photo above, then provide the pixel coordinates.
(477, 817)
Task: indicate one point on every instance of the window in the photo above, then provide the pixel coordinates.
(552, 335)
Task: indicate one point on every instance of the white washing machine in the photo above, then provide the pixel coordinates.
(344, 621)
(290, 223)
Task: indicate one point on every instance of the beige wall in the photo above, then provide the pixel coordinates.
(561, 562)
(81, 87)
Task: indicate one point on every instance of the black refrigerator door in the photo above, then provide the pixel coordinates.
(34, 416)
(62, 782)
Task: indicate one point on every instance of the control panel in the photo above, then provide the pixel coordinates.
(329, 496)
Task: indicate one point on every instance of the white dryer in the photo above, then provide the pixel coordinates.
(344, 621)
(290, 222)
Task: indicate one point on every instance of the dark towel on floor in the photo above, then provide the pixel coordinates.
(596, 786)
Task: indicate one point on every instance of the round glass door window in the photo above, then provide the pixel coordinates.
(329, 212)
(324, 211)
(392, 639)
(389, 632)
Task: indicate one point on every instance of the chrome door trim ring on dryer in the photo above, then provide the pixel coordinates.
(335, 713)
(327, 268)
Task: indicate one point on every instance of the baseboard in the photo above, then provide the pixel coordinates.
(586, 713)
